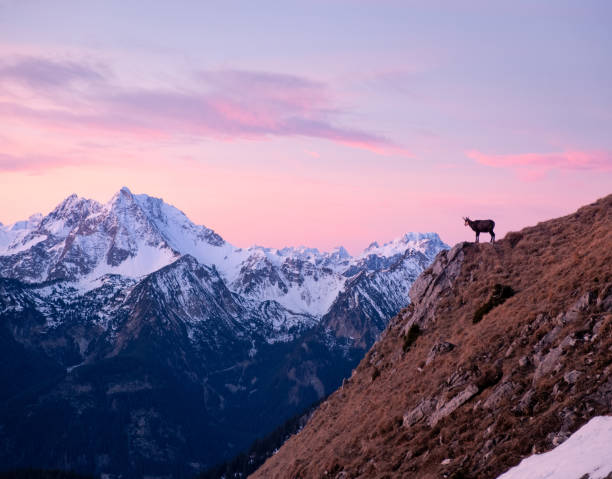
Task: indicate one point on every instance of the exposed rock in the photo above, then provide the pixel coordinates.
(547, 364)
(458, 379)
(571, 377)
(501, 393)
(575, 311)
(431, 284)
(584, 302)
(423, 409)
(556, 438)
(548, 339)
(568, 342)
(438, 349)
(604, 301)
(448, 407)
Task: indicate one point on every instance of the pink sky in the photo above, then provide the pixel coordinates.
(289, 126)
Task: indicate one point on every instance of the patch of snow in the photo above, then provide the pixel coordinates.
(147, 259)
(587, 451)
(69, 369)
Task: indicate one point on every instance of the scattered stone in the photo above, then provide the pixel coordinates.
(524, 361)
(569, 420)
(584, 302)
(457, 379)
(548, 338)
(423, 409)
(560, 319)
(525, 404)
(604, 302)
(453, 404)
(557, 438)
(547, 364)
(500, 393)
(571, 316)
(568, 342)
(571, 377)
(438, 348)
(446, 462)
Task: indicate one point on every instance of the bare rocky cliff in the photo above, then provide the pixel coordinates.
(505, 350)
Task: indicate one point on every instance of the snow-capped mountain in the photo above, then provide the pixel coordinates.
(81, 242)
(128, 313)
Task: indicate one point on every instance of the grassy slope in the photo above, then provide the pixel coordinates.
(358, 431)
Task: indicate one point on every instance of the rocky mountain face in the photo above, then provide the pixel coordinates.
(504, 352)
(133, 342)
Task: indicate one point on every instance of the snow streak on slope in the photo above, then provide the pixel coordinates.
(585, 454)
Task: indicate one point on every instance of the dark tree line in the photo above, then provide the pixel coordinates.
(248, 462)
(41, 474)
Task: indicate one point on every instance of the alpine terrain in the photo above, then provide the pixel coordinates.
(503, 356)
(135, 343)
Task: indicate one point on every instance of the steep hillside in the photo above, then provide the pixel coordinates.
(505, 350)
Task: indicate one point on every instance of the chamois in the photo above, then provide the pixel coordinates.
(481, 226)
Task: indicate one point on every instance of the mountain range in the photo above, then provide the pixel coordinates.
(135, 343)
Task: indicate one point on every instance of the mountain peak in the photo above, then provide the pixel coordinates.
(123, 196)
(425, 242)
(341, 252)
(66, 215)
(416, 236)
(372, 245)
(134, 234)
(67, 203)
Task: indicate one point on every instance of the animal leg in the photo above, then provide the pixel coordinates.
(477, 237)
(492, 237)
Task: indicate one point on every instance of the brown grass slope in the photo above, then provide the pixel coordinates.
(529, 373)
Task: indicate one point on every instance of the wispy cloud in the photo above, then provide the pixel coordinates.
(37, 73)
(73, 98)
(533, 166)
(33, 163)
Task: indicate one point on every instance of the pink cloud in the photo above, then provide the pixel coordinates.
(533, 166)
(73, 99)
(33, 163)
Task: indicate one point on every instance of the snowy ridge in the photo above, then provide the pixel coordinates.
(11, 236)
(82, 241)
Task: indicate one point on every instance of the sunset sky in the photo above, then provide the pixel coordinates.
(317, 122)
